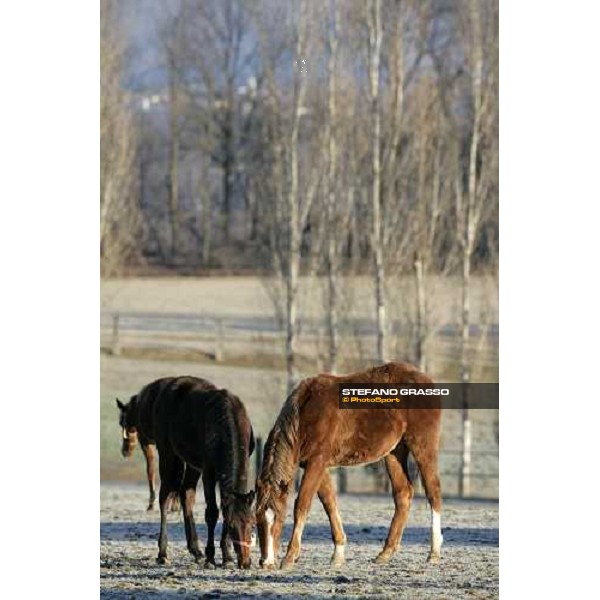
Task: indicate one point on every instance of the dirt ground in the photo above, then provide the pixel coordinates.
(469, 567)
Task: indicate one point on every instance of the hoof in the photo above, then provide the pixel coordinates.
(337, 558)
(287, 565)
(383, 558)
(434, 559)
(267, 566)
(198, 558)
(162, 560)
(209, 565)
(229, 564)
(150, 507)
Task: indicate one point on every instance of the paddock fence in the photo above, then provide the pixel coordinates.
(222, 336)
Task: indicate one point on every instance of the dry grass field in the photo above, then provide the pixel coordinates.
(254, 296)
(250, 305)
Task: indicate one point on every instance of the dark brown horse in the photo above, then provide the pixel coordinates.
(131, 434)
(202, 430)
(314, 433)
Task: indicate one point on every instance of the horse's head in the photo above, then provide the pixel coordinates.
(271, 501)
(128, 427)
(240, 525)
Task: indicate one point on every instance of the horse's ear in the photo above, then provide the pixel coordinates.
(120, 405)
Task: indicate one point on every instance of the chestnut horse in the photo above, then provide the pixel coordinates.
(131, 434)
(202, 430)
(314, 433)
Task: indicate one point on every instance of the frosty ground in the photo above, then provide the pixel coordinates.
(469, 567)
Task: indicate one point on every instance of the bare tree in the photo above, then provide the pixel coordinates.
(295, 214)
(332, 215)
(173, 54)
(292, 197)
(222, 52)
(479, 34)
(432, 205)
(375, 36)
(119, 217)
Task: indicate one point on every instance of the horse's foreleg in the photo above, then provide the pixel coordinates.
(402, 489)
(211, 516)
(313, 473)
(328, 500)
(150, 454)
(187, 498)
(226, 545)
(426, 458)
(171, 473)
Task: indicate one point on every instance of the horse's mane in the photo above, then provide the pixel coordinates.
(281, 449)
(232, 451)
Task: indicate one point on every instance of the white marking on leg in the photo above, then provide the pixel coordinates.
(436, 533)
(270, 516)
(338, 553)
(270, 560)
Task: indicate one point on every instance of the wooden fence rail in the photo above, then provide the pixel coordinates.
(185, 330)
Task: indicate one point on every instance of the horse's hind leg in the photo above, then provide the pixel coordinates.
(150, 455)
(313, 474)
(425, 451)
(171, 473)
(328, 500)
(397, 467)
(187, 497)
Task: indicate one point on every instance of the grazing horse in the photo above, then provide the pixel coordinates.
(202, 430)
(314, 433)
(131, 433)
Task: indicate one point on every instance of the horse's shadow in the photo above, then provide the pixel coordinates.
(318, 533)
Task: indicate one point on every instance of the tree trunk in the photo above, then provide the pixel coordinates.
(228, 169)
(295, 225)
(332, 242)
(470, 223)
(465, 470)
(205, 217)
(421, 333)
(173, 163)
(375, 35)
